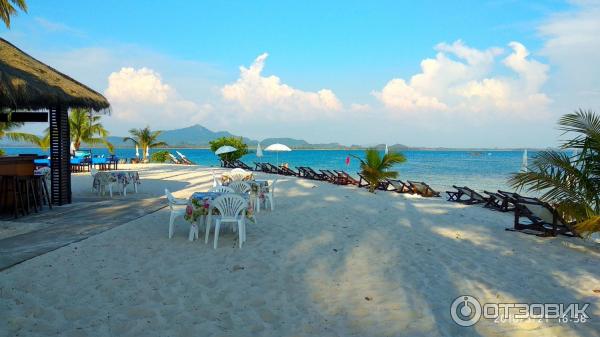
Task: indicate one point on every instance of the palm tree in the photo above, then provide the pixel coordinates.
(7, 9)
(145, 139)
(376, 168)
(6, 131)
(43, 142)
(571, 182)
(86, 128)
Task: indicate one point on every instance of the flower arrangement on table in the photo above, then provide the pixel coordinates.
(227, 178)
(201, 206)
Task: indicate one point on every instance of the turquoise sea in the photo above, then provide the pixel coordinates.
(441, 169)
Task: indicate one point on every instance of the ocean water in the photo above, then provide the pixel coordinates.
(481, 170)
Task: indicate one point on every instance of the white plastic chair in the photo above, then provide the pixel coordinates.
(231, 209)
(93, 172)
(269, 193)
(101, 188)
(176, 210)
(222, 189)
(240, 187)
(216, 182)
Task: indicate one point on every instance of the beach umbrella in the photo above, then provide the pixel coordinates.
(225, 149)
(137, 151)
(524, 162)
(386, 149)
(259, 151)
(72, 148)
(278, 148)
(147, 152)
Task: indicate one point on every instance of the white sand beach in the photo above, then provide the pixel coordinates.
(328, 261)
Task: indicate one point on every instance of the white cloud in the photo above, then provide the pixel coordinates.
(140, 95)
(57, 27)
(357, 107)
(269, 97)
(460, 81)
(572, 44)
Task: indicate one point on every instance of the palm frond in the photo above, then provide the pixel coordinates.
(375, 168)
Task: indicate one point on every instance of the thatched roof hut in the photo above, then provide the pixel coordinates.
(28, 84)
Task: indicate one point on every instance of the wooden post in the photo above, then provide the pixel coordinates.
(60, 157)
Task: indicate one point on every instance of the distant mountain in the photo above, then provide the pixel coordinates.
(199, 136)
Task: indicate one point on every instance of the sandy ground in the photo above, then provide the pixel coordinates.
(329, 261)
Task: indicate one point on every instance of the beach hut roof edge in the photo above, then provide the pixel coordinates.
(28, 84)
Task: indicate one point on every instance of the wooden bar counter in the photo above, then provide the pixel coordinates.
(17, 166)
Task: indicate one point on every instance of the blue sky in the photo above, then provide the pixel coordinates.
(429, 73)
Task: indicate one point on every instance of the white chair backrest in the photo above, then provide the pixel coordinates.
(221, 189)
(216, 182)
(170, 197)
(271, 186)
(230, 205)
(241, 187)
(238, 171)
(93, 171)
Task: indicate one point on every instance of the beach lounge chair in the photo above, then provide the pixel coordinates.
(309, 173)
(400, 186)
(174, 159)
(272, 169)
(287, 171)
(302, 172)
(243, 165)
(183, 158)
(544, 220)
(382, 185)
(258, 167)
(423, 189)
(498, 201)
(349, 179)
(466, 195)
(332, 177)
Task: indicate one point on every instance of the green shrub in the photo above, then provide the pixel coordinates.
(160, 156)
(238, 143)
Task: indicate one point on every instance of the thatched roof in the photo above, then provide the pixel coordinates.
(26, 83)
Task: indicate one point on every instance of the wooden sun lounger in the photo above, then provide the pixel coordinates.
(183, 159)
(349, 179)
(242, 165)
(544, 220)
(174, 159)
(499, 202)
(288, 172)
(263, 167)
(273, 169)
(423, 189)
(400, 186)
(473, 197)
(258, 166)
(312, 174)
(332, 177)
(302, 172)
(382, 185)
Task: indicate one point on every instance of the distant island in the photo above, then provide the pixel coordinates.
(198, 137)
